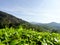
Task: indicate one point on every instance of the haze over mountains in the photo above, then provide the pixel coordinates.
(10, 20)
(52, 24)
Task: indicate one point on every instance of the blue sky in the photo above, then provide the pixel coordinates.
(43, 11)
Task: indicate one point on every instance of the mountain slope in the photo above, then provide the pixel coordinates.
(12, 21)
(8, 19)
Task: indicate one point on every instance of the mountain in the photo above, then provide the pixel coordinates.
(52, 24)
(8, 19)
(51, 27)
(12, 21)
(36, 23)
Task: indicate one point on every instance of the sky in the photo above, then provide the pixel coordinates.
(42, 11)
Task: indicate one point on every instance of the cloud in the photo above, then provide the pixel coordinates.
(46, 11)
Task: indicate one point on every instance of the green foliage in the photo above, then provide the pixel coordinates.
(9, 20)
(21, 36)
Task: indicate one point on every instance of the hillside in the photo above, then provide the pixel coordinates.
(53, 26)
(8, 19)
(27, 33)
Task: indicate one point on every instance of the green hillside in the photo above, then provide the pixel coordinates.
(15, 31)
(9, 20)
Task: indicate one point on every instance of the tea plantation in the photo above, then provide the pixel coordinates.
(20, 36)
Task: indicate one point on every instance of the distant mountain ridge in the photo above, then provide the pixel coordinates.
(52, 24)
